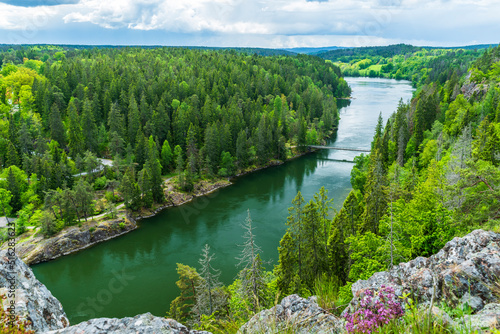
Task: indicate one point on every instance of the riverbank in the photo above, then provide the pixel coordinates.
(33, 248)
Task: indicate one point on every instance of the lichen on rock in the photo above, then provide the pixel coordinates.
(33, 301)
(466, 269)
(294, 314)
(140, 324)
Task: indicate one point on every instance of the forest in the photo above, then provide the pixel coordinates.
(420, 65)
(432, 174)
(152, 113)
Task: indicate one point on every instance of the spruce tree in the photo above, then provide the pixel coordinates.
(153, 167)
(134, 120)
(89, 127)
(166, 157)
(75, 135)
(209, 297)
(189, 280)
(252, 275)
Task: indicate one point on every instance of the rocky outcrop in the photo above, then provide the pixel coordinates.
(33, 301)
(294, 315)
(35, 304)
(472, 89)
(39, 249)
(466, 270)
(488, 317)
(140, 324)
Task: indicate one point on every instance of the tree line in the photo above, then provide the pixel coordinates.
(433, 173)
(196, 114)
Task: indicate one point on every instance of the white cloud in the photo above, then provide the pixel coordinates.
(263, 22)
(21, 18)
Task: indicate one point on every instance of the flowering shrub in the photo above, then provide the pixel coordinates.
(375, 310)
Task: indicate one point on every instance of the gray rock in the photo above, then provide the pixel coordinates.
(441, 316)
(72, 239)
(465, 268)
(294, 314)
(474, 302)
(488, 317)
(140, 324)
(33, 301)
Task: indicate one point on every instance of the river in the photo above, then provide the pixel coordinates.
(136, 273)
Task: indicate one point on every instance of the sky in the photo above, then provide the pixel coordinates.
(250, 23)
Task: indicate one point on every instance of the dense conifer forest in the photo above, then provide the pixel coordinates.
(432, 174)
(153, 113)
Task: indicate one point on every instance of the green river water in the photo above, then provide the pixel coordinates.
(136, 273)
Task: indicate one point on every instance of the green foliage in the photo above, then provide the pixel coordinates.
(100, 183)
(326, 290)
(189, 280)
(222, 113)
(417, 64)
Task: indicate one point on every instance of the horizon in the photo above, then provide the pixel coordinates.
(247, 47)
(239, 24)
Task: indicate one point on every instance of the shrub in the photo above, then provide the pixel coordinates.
(375, 309)
(122, 225)
(100, 183)
(92, 229)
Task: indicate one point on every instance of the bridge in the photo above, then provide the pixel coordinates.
(340, 148)
(336, 160)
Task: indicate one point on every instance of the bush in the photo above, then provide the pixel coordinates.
(92, 229)
(122, 225)
(100, 183)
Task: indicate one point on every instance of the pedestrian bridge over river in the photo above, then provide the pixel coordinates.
(340, 148)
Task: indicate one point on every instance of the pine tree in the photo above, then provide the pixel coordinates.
(189, 280)
(89, 127)
(115, 121)
(84, 197)
(324, 205)
(13, 187)
(285, 271)
(252, 275)
(25, 140)
(314, 244)
(166, 157)
(130, 191)
(242, 149)
(375, 195)
(12, 156)
(153, 167)
(141, 149)
(161, 122)
(208, 297)
(134, 120)
(296, 226)
(144, 182)
(75, 135)
(116, 144)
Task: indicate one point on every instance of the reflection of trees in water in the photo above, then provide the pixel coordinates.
(343, 103)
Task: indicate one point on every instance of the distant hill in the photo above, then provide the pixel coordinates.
(382, 51)
(467, 47)
(312, 51)
(387, 51)
(251, 51)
